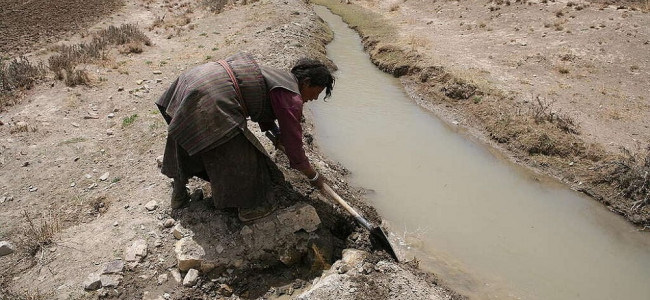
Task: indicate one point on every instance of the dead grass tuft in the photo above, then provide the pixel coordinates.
(37, 235)
(64, 63)
(629, 173)
(215, 6)
(18, 74)
(541, 112)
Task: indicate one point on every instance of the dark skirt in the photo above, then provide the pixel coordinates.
(239, 174)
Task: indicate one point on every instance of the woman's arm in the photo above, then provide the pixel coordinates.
(287, 107)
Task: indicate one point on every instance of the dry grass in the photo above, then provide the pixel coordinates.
(18, 74)
(629, 173)
(63, 64)
(37, 235)
(215, 5)
(541, 112)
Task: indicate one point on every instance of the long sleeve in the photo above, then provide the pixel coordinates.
(287, 107)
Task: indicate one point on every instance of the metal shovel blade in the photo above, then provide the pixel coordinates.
(378, 239)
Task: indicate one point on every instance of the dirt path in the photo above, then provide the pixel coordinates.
(81, 190)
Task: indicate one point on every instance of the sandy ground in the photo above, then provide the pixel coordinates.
(82, 162)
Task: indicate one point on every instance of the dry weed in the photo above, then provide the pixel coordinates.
(38, 235)
(630, 174)
(19, 73)
(541, 112)
(77, 77)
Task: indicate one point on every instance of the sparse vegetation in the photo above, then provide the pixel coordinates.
(63, 64)
(630, 174)
(129, 120)
(541, 112)
(37, 235)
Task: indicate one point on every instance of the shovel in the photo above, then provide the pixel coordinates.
(378, 237)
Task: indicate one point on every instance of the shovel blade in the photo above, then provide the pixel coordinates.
(378, 239)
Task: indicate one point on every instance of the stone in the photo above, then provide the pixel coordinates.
(139, 82)
(225, 290)
(6, 248)
(191, 278)
(189, 254)
(300, 216)
(121, 88)
(180, 232)
(159, 161)
(177, 275)
(353, 257)
(169, 223)
(110, 280)
(111, 115)
(157, 72)
(206, 267)
(151, 205)
(109, 132)
(157, 243)
(92, 283)
(104, 176)
(162, 278)
(114, 267)
(137, 251)
(246, 230)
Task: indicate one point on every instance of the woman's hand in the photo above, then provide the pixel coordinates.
(318, 183)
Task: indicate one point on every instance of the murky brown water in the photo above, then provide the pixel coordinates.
(488, 228)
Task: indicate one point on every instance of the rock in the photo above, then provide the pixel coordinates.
(137, 251)
(114, 267)
(177, 275)
(92, 283)
(169, 223)
(246, 230)
(3, 199)
(121, 88)
(159, 161)
(206, 267)
(225, 290)
(111, 280)
(75, 124)
(300, 216)
(180, 232)
(157, 243)
(6, 248)
(72, 184)
(158, 80)
(104, 176)
(139, 82)
(191, 278)
(151, 205)
(109, 132)
(189, 254)
(157, 72)
(111, 115)
(162, 278)
(353, 257)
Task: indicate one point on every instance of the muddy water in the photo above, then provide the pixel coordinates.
(488, 228)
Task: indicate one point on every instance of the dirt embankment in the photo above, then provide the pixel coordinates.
(84, 205)
(559, 86)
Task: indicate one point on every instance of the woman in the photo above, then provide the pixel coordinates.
(207, 108)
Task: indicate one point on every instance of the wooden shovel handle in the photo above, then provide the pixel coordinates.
(330, 192)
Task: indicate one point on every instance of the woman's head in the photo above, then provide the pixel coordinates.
(313, 76)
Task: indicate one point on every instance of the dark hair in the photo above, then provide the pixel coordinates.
(317, 73)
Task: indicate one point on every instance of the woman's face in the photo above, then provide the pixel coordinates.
(310, 92)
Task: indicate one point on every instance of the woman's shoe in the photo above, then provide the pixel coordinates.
(180, 198)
